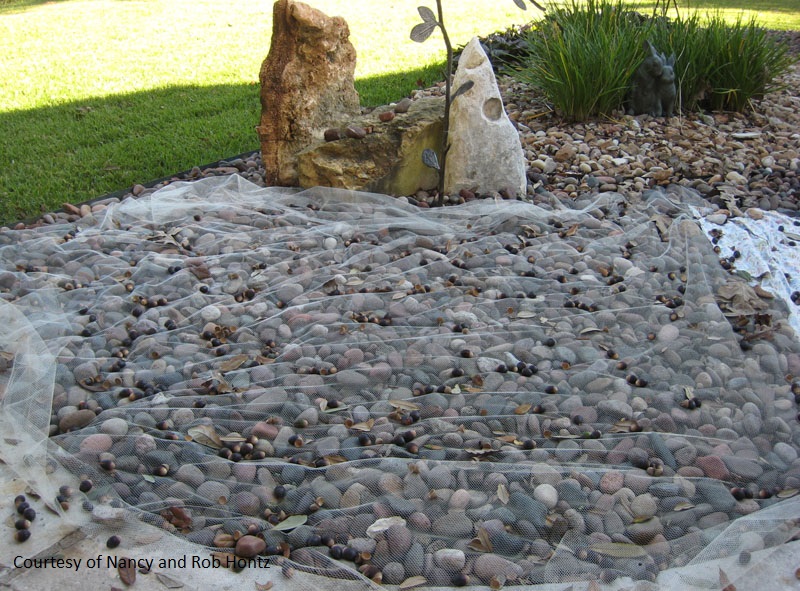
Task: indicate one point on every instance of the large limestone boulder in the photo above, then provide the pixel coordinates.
(307, 85)
(485, 149)
(386, 160)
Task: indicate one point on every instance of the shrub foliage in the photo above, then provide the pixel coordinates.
(582, 54)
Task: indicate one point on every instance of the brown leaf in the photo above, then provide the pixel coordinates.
(497, 582)
(127, 573)
(168, 582)
(205, 435)
(233, 363)
(522, 409)
(571, 230)
(412, 582)
(404, 405)
(364, 426)
(481, 542)
(264, 586)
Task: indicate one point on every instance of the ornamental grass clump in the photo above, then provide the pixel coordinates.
(745, 63)
(582, 56)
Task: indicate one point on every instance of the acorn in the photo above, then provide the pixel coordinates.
(335, 551)
(22, 524)
(460, 580)
(113, 542)
(22, 535)
(350, 554)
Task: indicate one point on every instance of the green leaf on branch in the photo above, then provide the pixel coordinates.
(422, 31)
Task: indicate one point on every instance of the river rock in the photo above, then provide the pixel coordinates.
(249, 546)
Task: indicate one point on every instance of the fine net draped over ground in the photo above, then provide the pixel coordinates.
(498, 392)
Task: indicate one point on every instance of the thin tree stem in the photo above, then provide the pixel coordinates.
(448, 74)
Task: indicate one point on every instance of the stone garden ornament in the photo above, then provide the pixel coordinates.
(653, 89)
(421, 32)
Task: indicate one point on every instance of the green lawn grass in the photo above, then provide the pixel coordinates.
(100, 94)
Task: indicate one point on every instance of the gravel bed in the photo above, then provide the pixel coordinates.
(520, 391)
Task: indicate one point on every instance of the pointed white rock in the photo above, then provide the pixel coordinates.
(485, 149)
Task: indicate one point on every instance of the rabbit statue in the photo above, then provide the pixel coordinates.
(665, 87)
(653, 85)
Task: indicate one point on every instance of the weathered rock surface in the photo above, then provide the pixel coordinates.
(485, 149)
(388, 160)
(306, 85)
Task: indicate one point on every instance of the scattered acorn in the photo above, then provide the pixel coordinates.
(22, 535)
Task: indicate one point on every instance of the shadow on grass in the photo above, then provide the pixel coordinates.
(703, 6)
(7, 6)
(78, 151)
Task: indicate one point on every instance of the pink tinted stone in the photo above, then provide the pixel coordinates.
(713, 467)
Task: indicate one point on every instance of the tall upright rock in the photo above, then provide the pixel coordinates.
(485, 149)
(307, 85)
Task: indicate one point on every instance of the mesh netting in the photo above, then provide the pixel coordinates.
(494, 393)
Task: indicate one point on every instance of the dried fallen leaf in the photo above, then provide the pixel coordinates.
(127, 574)
(481, 542)
(763, 293)
(404, 405)
(205, 435)
(497, 582)
(168, 581)
(412, 582)
(522, 409)
(683, 507)
(502, 493)
(291, 522)
(381, 525)
(507, 438)
(623, 426)
(233, 363)
(264, 586)
(364, 425)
